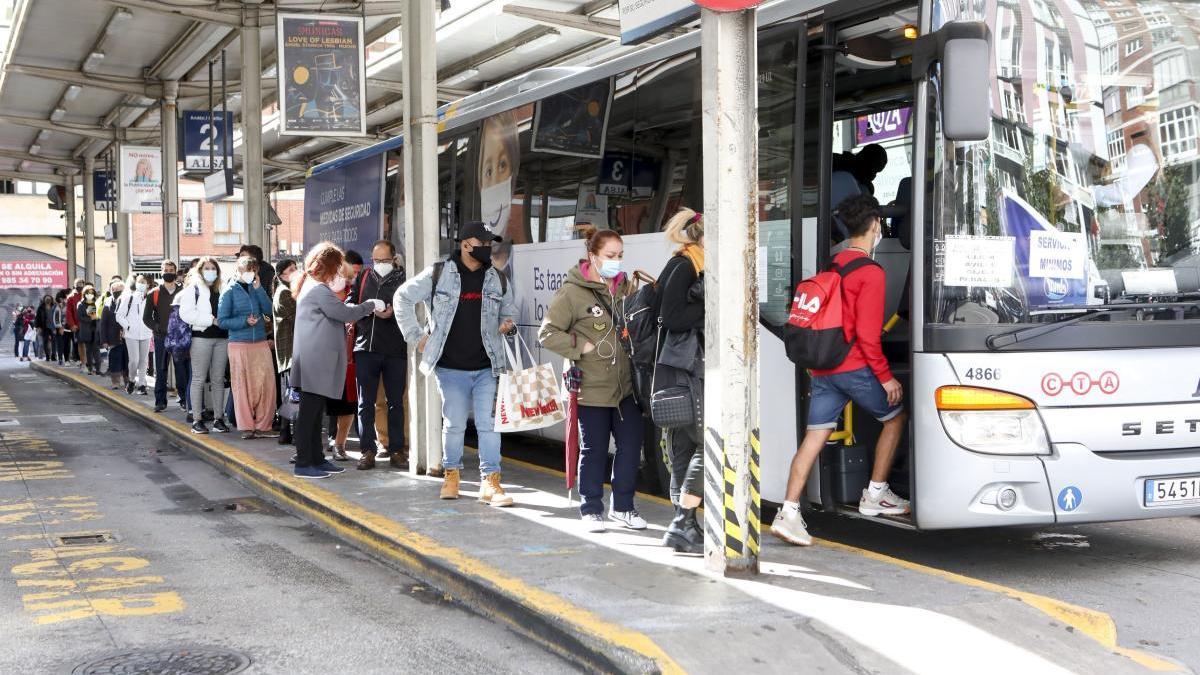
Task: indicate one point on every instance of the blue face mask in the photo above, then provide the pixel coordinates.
(609, 269)
(210, 275)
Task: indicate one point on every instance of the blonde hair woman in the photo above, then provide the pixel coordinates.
(210, 341)
(681, 298)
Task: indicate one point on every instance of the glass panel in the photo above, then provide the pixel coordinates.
(1086, 193)
(776, 161)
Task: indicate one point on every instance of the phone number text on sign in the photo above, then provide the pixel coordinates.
(1080, 383)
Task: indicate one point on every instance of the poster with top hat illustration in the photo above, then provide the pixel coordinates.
(322, 80)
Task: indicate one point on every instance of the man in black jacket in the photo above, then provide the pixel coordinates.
(155, 316)
(380, 351)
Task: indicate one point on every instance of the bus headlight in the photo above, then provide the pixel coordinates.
(991, 421)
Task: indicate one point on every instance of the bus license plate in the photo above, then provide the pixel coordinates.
(1171, 491)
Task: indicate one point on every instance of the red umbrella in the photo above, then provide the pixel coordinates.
(572, 378)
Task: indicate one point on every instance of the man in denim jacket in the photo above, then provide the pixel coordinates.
(471, 309)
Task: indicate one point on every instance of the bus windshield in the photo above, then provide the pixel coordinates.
(1086, 193)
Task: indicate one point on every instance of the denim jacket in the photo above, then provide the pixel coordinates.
(236, 305)
(498, 306)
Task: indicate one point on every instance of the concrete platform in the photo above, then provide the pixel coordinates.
(619, 602)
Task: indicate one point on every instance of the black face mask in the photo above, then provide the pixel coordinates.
(79, 289)
(169, 277)
(482, 253)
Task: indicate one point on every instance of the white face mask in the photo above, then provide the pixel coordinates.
(495, 205)
(247, 277)
(338, 284)
(210, 275)
(384, 269)
(141, 287)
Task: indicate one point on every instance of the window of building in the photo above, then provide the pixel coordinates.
(1163, 36)
(1014, 104)
(24, 187)
(1170, 71)
(1109, 59)
(1177, 132)
(1116, 149)
(1112, 101)
(1133, 46)
(189, 216)
(1134, 96)
(229, 223)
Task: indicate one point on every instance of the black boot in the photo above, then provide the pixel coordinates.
(683, 534)
(285, 432)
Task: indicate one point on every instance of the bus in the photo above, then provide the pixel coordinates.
(1043, 276)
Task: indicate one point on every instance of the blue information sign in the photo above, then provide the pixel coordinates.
(624, 174)
(200, 128)
(345, 206)
(103, 193)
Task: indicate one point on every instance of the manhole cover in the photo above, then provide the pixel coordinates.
(187, 661)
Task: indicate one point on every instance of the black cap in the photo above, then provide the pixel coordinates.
(476, 230)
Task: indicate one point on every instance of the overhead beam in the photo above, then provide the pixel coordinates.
(86, 130)
(200, 13)
(62, 163)
(588, 24)
(493, 52)
(125, 85)
(32, 177)
(286, 166)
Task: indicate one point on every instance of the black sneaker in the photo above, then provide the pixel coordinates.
(190, 418)
(199, 428)
(182, 404)
(219, 427)
(129, 387)
(141, 390)
(160, 408)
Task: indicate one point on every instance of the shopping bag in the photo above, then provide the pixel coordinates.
(504, 421)
(531, 394)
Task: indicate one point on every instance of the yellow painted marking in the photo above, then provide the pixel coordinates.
(6, 403)
(142, 604)
(271, 480)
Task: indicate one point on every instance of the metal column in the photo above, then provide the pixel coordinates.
(252, 167)
(421, 231)
(123, 234)
(170, 170)
(89, 219)
(729, 55)
(69, 216)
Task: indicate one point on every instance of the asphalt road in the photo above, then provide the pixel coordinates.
(188, 566)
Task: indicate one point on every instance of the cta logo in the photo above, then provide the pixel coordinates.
(1081, 383)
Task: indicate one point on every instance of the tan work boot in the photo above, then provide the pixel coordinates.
(367, 462)
(450, 484)
(491, 492)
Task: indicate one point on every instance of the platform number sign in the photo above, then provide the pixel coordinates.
(205, 134)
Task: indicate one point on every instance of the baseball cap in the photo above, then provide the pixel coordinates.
(476, 230)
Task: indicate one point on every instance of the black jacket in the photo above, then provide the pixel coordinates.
(373, 334)
(681, 308)
(158, 309)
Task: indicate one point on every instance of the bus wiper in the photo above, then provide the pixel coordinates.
(1001, 340)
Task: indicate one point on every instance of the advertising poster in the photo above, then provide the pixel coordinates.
(573, 122)
(345, 206)
(322, 82)
(1051, 264)
(499, 163)
(33, 274)
(883, 126)
(141, 179)
(202, 130)
(592, 208)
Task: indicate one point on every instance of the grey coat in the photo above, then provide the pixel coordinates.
(319, 343)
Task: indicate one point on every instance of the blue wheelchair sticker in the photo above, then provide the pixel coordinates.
(1070, 498)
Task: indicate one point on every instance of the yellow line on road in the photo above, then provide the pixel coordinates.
(376, 529)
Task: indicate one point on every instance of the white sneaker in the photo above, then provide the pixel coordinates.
(790, 527)
(630, 519)
(594, 522)
(888, 504)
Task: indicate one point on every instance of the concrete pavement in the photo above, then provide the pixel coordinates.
(620, 602)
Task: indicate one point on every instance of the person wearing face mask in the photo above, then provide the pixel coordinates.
(863, 377)
(156, 314)
(210, 340)
(471, 308)
(128, 313)
(584, 325)
(45, 312)
(285, 326)
(245, 311)
(76, 350)
(88, 335)
(112, 336)
(380, 358)
(319, 358)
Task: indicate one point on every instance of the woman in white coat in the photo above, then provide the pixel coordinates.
(210, 343)
(137, 334)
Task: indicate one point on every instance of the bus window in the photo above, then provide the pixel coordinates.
(454, 185)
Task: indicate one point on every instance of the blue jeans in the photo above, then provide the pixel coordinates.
(464, 392)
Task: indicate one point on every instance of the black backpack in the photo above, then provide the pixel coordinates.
(643, 321)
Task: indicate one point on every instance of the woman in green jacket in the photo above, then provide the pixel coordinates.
(582, 325)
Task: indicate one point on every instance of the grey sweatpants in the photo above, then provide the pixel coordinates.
(209, 356)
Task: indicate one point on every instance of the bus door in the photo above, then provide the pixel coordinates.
(862, 116)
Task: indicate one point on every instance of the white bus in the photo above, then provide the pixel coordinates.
(1047, 277)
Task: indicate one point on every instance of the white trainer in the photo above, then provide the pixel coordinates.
(888, 504)
(790, 527)
(630, 519)
(594, 522)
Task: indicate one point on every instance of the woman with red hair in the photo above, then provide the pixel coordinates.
(319, 357)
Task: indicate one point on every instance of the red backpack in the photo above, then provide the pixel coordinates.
(814, 335)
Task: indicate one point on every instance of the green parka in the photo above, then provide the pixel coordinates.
(579, 314)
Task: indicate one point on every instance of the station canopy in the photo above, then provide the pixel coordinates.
(82, 75)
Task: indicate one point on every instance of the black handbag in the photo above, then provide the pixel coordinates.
(674, 402)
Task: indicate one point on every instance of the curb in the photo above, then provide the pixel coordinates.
(548, 619)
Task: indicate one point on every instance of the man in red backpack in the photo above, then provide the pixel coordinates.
(862, 377)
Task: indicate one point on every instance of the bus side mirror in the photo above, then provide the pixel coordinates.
(963, 48)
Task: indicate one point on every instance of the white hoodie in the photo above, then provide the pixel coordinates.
(195, 308)
(129, 315)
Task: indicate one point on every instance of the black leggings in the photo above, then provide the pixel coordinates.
(686, 446)
(310, 450)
